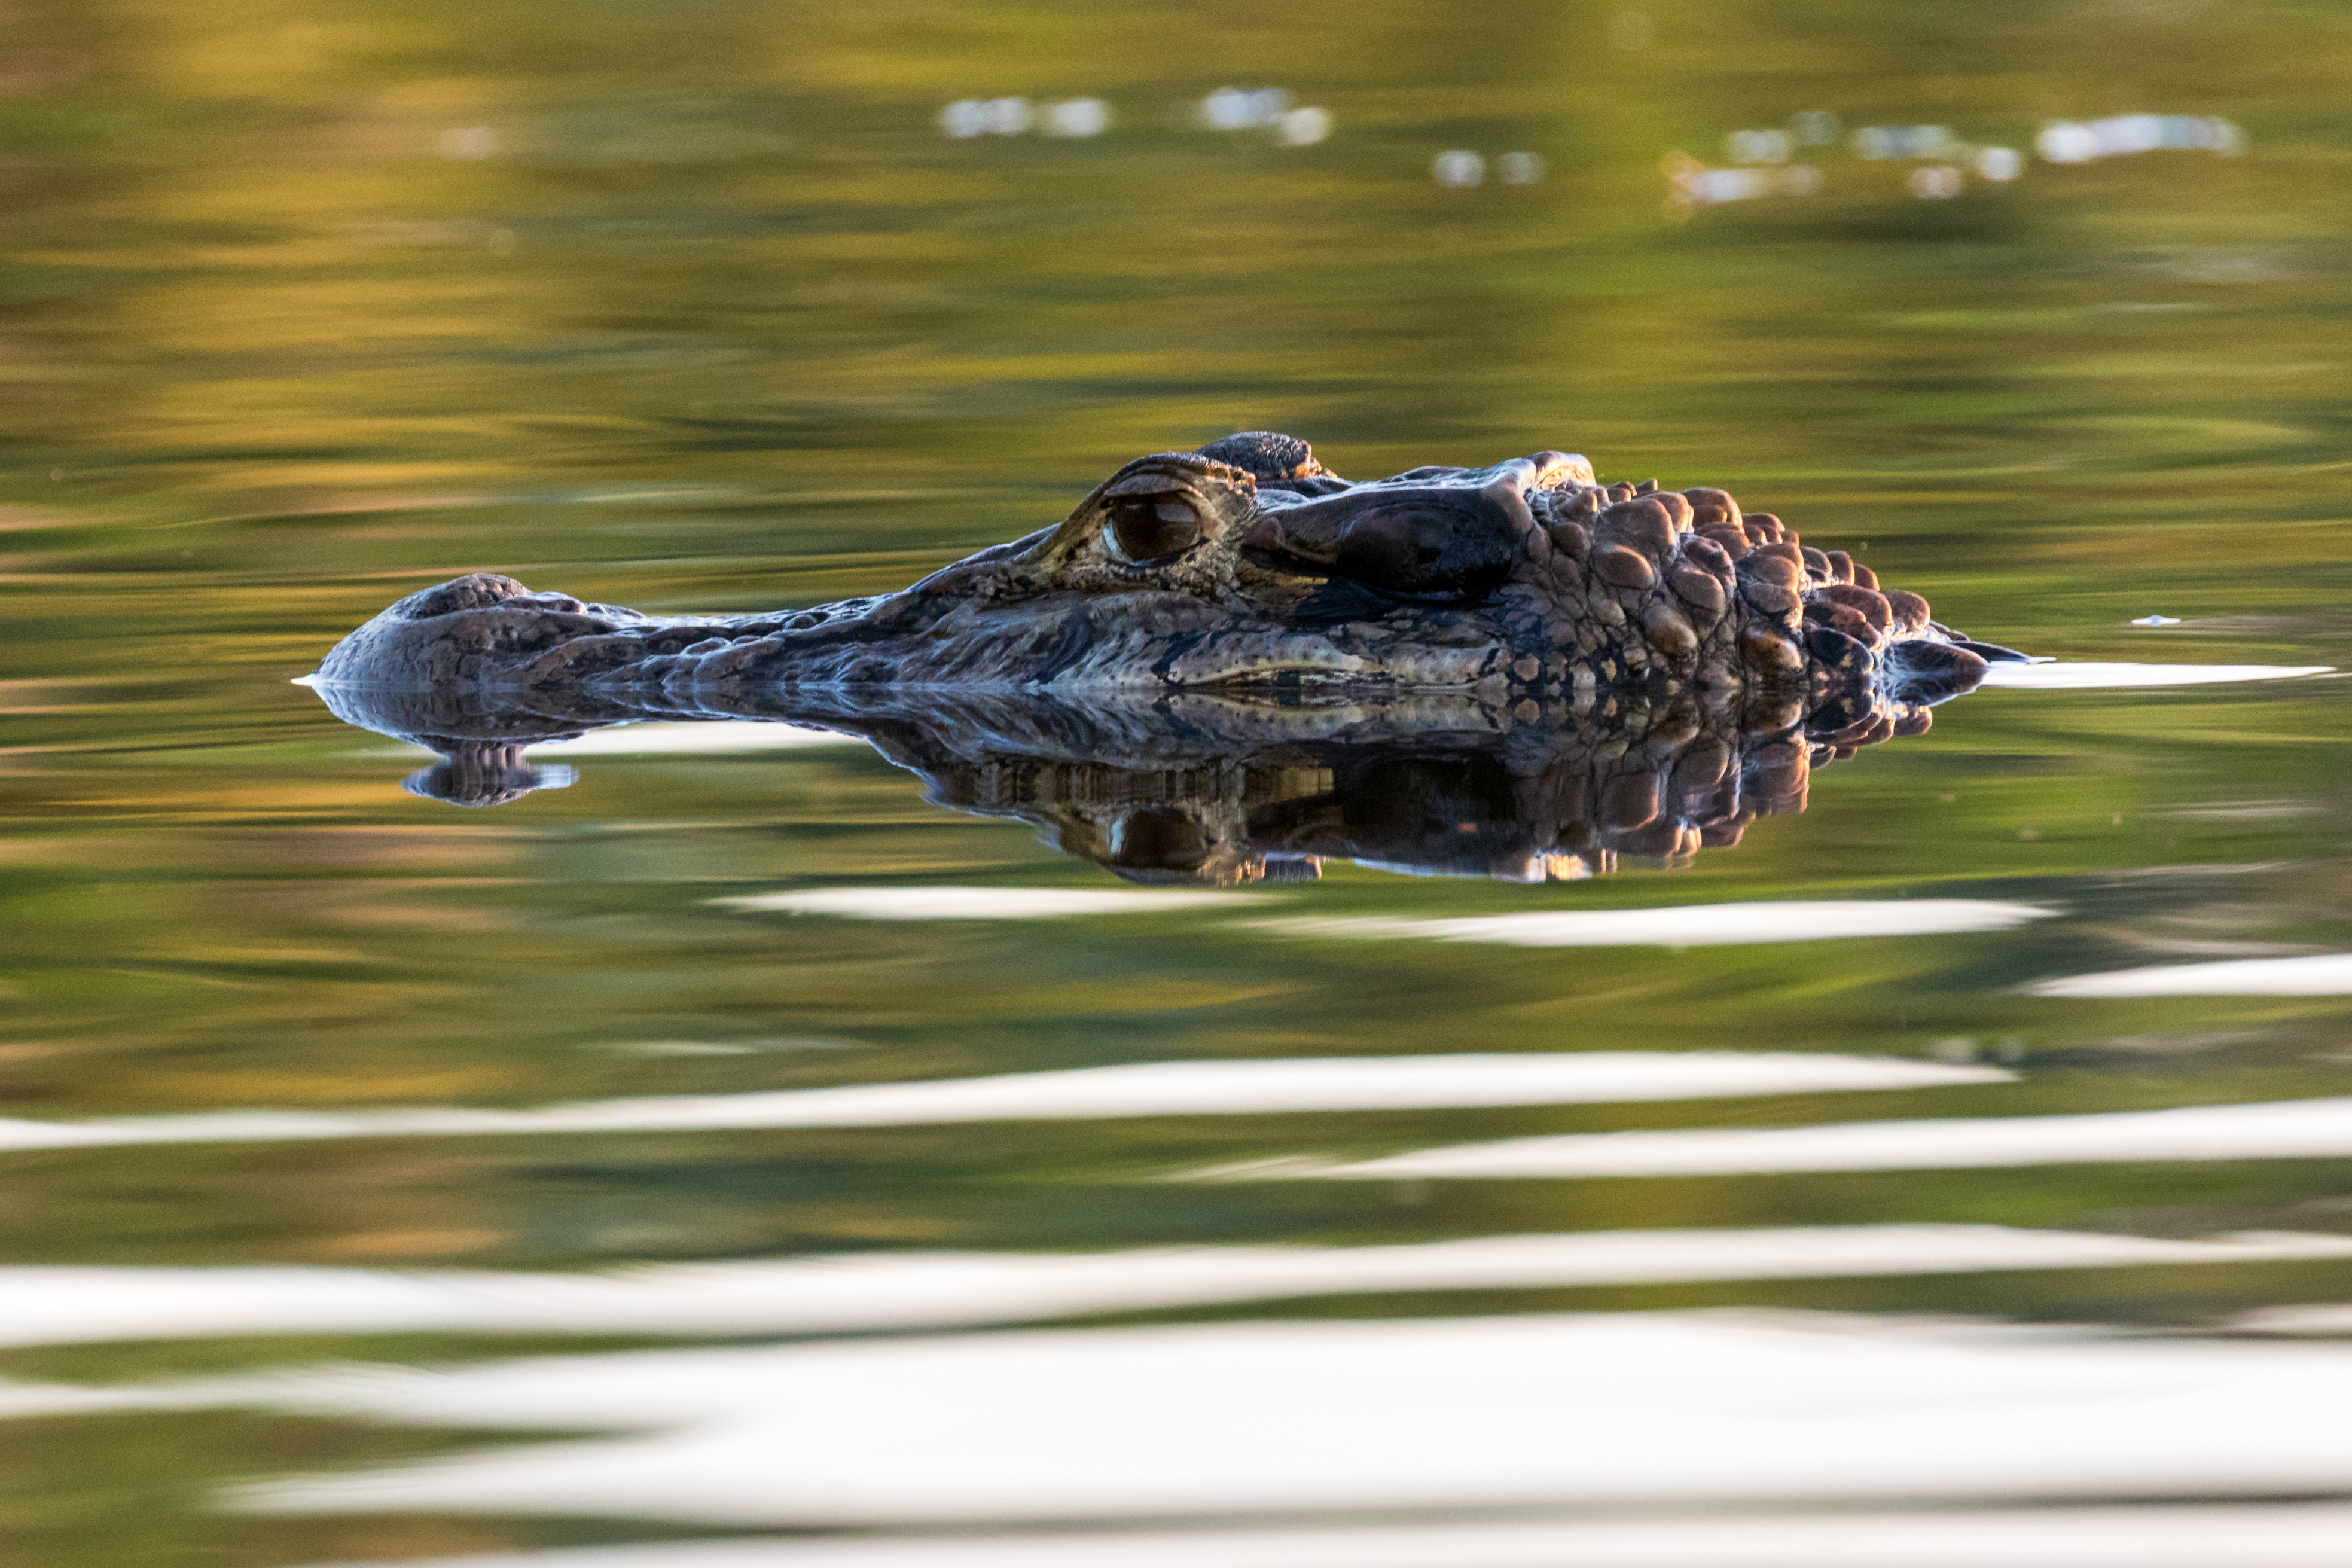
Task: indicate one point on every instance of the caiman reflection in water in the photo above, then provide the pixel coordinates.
(1217, 789)
(1231, 665)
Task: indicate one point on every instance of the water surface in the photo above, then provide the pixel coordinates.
(733, 1143)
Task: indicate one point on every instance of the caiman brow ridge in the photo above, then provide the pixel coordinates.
(1526, 585)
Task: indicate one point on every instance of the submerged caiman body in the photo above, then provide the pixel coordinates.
(1526, 587)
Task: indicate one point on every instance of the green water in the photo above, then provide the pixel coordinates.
(304, 307)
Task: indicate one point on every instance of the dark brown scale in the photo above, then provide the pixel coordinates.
(1908, 608)
(1570, 538)
(1267, 454)
(1658, 840)
(1729, 537)
(1840, 617)
(1702, 764)
(1647, 487)
(1817, 562)
(1840, 565)
(1869, 603)
(1642, 524)
(1710, 506)
(1855, 733)
(1864, 577)
(1777, 570)
(1836, 651)
(1779, 769)
(1770, 597)
(1708, 554)
(1705, 805)
(1619, 492)
(1622, 568)
(1668, 630)
(1630, 802)
(1769, 651)
(1700, 589)
(1678, 508)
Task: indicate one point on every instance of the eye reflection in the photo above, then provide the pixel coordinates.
(1152, 528)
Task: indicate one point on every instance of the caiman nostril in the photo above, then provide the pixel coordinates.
(1267, 536)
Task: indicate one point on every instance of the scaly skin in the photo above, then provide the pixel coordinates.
(1525, 586)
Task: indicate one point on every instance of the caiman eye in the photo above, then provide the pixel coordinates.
(1152, 528)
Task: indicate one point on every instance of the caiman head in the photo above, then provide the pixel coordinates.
(1247, 565)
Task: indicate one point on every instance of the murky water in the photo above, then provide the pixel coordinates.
(732, 1156)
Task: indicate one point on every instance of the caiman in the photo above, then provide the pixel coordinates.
(1526, 585)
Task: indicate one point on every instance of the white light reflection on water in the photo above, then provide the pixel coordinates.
(687, 738)
(1458, 167)
(1695, 185)
(1304, 127)
(2068, 676)
(1241, 108)
(1077, 117)
(981, 903)
(2276, 1130)
(1873, 143)
(2271, 1535)
(665, 738)
(1143, 1089)
(2121, 135)
(2318, 974)
(1519, 168)
(900, 1291)
(2329, 1318)
(1288, 1418)
(1687, 925)
(971, 117)
(1998, 164)
(1757, 146)
(1935, 181)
